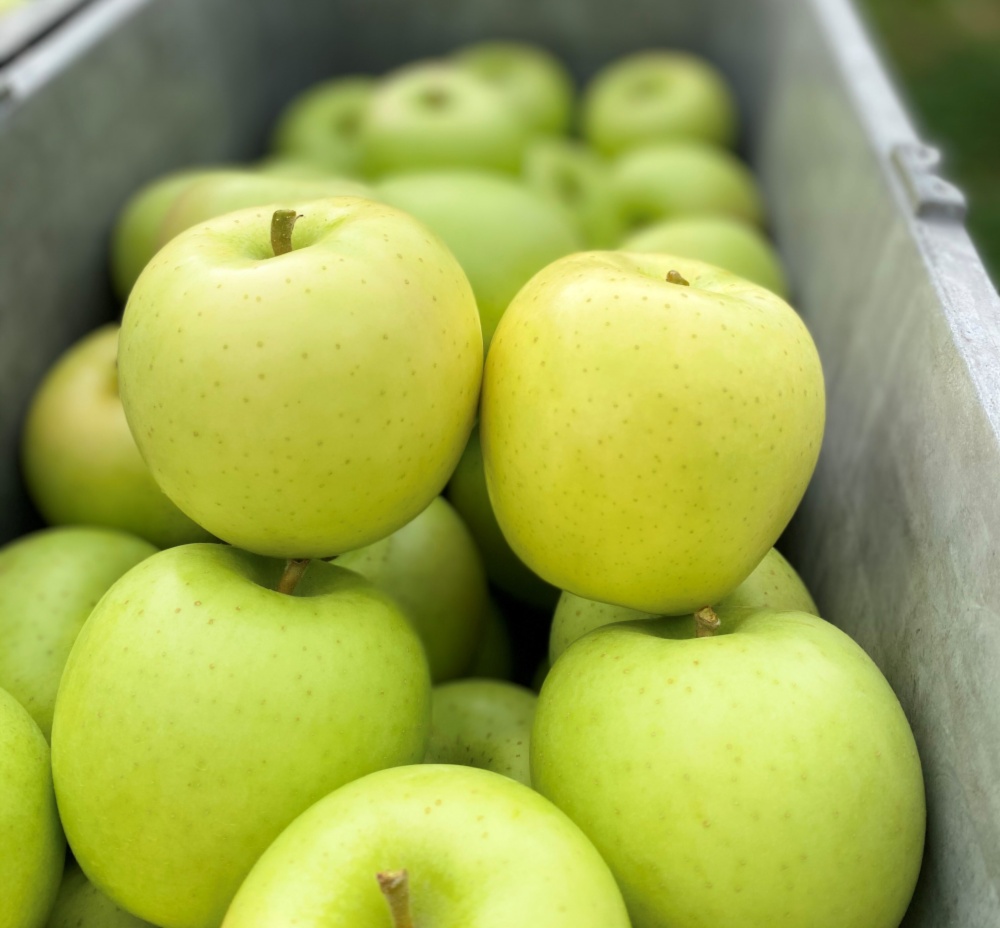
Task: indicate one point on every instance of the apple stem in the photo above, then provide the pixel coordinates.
(295, 567)
(706, 622)
(673, 277)
(282, 223)
(395, 886)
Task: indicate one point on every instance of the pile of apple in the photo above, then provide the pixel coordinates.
(286, 716)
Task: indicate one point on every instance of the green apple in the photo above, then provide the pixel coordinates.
(761, 777)
(657, 96)
(433, 115)
(322, 125)
(136, 234)
(80, 904)
(533, 80)
(241, 189)
(291, 166)
(312, 438)
(206, 703)
(774, 584)
(674, 179)
(493, 658)
(720, 240)
(649, 425)
(482, 723)
(468, 494)
(479, 850)
(572, 176)
(32, 847)
(431, 568)
(501, 232)
(49, 583)
(80, 461)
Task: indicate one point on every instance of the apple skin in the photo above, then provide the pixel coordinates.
(720, 240)
(432, 569)
(493, 658)
(657, 96)
(675, 179)
(321, 125)
(484, 724)
(32, 847)
(533, 80)
(433, 115)
(80, 461)
(500, 232)
(315, 438)
(49, 583)
(765, 777)
(482, 851)
(467, 492)
(774, 584)
(646, 442)
(80, 904)
(201, 711)
(578, 181)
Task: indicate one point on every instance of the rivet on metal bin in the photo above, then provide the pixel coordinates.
(930, 196)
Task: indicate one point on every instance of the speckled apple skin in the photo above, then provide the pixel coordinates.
(201, 711)
(80, 904)
(646, 442)
(32, 847)
(306, 404)
(481, 850)
(762, 778)
(774, 584)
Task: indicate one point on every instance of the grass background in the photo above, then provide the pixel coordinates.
(946, 59)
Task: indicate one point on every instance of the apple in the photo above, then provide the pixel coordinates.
(80, 904)
(574, 177)
(468, 494)
(482, 723)
(431, 568)
(774, 584)
(295, 167)
(673, 179)
(649, 425)
(533, 80)
(322, 124)
(478, 849)
(500, 232)
(79, 459)
(310, 402)
(49, 583)
(493, 658)
(720, 240)
(432, 114)
(207, 702)
(32, 847)
(764, 775)
(657, 96)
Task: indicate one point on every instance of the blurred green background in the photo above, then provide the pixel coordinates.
(946, 58)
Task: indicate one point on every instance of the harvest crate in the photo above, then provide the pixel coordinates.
(898, 534)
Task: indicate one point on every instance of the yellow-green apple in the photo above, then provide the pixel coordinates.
(32, 847)
(579, 181)
(761, 777)
(433, 114)
(673, 179)
(501, 232)
(774, 584)
(432, 569)
(207, 702)
(478, 850)
(649, 425)
(657, 96)
(321, 125)
(724, 241)
(534, 81)
(307, 402)
(80, 904)
(80, 461)
(482, 723)
(493, 658)
(49, 583)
